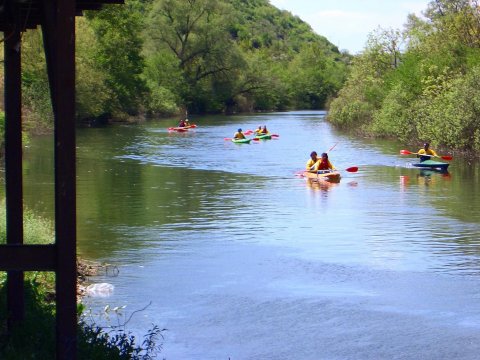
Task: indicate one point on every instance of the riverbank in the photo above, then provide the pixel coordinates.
(39, 323)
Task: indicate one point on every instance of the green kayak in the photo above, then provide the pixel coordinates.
(241, 141)
(433, 165)
(263, 137)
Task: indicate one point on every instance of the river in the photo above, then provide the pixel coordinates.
(238, 258)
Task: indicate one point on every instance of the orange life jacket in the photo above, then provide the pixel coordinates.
(324, 165)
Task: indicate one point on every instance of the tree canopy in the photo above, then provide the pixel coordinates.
(162, 57)
(426, 92)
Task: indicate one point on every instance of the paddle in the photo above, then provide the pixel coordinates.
(406, 152)
(332, 147)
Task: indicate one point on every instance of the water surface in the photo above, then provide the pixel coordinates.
(242, 259)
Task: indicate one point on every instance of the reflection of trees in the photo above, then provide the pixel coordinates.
(116, 194)
(455, 193)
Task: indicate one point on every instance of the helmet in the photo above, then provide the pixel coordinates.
(239, 130)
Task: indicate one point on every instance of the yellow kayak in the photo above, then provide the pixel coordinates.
(323, 175)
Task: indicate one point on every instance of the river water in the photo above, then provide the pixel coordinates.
(238, 258)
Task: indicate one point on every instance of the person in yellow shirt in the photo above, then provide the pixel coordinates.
(426, 153)
(312, 161)
(315, 163)
(239, 135)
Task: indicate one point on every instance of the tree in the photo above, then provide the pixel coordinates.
(117, 30)
(197, 33)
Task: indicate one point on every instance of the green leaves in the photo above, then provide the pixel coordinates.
(428, 91)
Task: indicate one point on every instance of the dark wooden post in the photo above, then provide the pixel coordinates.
(63, 99)
(59, 42)
(13, 161)
(57, 18)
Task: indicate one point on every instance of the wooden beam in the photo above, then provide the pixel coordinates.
(13, 160)
(20, 257)
(59, 42)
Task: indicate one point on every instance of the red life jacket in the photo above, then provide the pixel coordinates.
(323, 165)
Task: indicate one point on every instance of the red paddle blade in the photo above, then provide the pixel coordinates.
(227, 138)
(405, 152)
(256, 139)
(447, 157)
(275, 135)
(352, 169)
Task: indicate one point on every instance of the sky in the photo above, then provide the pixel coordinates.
(347, 23)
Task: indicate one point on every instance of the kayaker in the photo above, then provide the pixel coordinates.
(181, 123)
(239, 135)
(324, 163)
(259, 130)
(426, 151)
(312, 161)
(187, 122)
(264, 130)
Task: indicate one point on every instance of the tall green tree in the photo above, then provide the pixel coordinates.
(117, 29)
(196, 33)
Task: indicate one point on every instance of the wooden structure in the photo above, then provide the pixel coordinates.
(57, 21)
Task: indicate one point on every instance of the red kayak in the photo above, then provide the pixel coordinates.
(182, 128)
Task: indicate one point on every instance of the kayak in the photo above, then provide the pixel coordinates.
(241, 141)
(263, 137)
(433, 165)
(323, 175)
(182, 128)
(178, 129)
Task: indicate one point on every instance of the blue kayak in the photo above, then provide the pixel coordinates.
(433, 165)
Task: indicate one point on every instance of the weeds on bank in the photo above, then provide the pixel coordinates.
(35, 337)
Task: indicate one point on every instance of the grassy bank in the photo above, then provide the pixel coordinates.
(35, 337)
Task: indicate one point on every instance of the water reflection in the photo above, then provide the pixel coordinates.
(320, 185)
(224, 238)
(425, 177)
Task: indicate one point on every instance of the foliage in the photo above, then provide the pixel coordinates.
(2, 129)
(35, 87)
(162, 57)
(39, 323)
(92, 92)
(39, 328)
(430, 91)
(37, 230)
(96, 344)
(117, 29)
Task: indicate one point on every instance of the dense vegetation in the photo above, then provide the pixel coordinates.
(428, 91)
(165, 57)
(34, 338)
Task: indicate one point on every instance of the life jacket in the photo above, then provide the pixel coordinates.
(323, 165)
